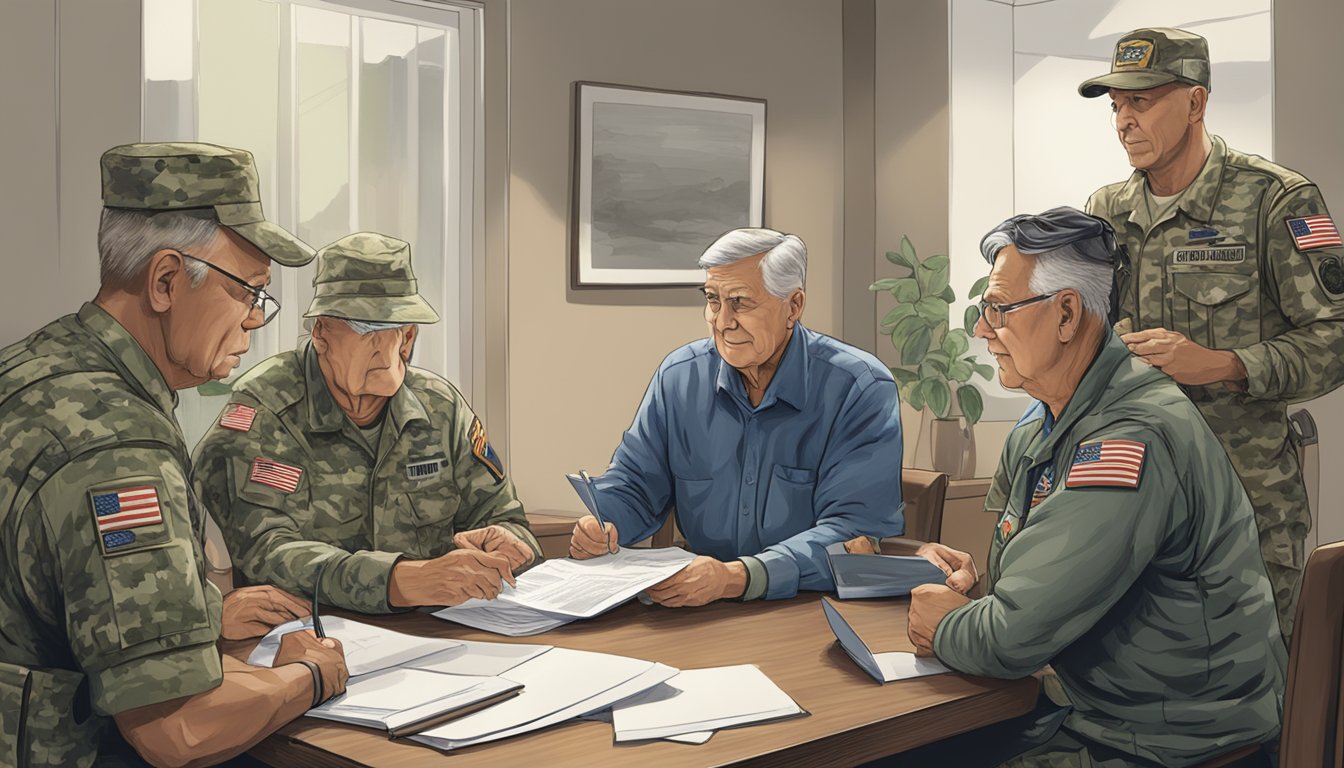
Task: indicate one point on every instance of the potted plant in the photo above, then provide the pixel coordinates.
(936, 368)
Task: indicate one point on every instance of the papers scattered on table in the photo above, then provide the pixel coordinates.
(402, 701)
(367, 648)
(699, 700)
(880, 575)
(884, 667)
(560, 591)
(558, 685)
(698, 737)
(472, 657)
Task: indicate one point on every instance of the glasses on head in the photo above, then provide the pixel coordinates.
(997, 314)
(261, 300)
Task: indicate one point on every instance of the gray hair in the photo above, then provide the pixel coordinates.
(128, 238)
(1065, 268)
(361, 327)
(784, 268)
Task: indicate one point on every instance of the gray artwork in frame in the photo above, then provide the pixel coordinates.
(658, 175)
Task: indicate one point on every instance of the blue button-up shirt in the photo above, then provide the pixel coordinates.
(817, 462)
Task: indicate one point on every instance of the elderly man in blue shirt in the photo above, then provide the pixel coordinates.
(770, 440)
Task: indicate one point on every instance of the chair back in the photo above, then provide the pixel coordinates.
(1313, 714)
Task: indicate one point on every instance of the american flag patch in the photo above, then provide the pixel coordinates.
(1043, 487)
(1313, 232)
(238, 416)
(275, 474)
(126, 508)
(1106, 464)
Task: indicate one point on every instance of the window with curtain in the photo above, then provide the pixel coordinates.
(363, 115)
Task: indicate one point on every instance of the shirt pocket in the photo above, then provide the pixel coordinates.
(1219, 310)
(156, 592)
(788, 503)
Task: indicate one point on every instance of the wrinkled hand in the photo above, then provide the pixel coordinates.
(449, 579)
(1182, 359)
(496, 538)
(957, 565)
(591, 540)
(326, 652)
(862, 545)
(929, 603)
(254, 611)
(703, 581)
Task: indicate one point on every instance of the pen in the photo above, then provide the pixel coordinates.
(592, 493)
(317, 587)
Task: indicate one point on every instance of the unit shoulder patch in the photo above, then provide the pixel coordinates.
(1106, 464)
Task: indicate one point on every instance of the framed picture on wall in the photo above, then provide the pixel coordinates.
(658, 175)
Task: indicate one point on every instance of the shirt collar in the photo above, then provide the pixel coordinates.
(1197, 200)
(1098, 378)
(789, 383)
(324, 415)
(128, 357)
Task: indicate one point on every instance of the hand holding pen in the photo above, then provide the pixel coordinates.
(593, 536)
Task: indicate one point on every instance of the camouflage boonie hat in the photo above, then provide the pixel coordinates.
(1147, 58)
(367, 276)
(180, 176)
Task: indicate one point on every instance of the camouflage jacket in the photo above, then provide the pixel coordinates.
(298, 491)
(1126, 558)
(1230, 267)
(103, 598)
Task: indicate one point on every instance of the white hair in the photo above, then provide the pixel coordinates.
(1063, 268)
(128, 238)
(361, 327)
(784, 268)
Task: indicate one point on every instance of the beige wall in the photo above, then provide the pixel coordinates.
(1309, 110)
(579, 360)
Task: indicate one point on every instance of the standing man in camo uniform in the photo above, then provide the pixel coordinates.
(1235, 286)
(338, 467)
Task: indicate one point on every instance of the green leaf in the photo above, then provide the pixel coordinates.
(905, 327)
(948, 295)
(985, 371)
(938, 360)
(914, 395)
(900, 312)
(960, 371)
(933, 310)
(978, 288)
(903, 376)
(900, 259)
(956, 343)
(908, 250)
(886, 283)
(906, 290)
(971, 403)
(915, 347)
(936, 262)
(937, 396)
(971, 317)
(213, 389)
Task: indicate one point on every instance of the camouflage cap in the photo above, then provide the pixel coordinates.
(1147, 58)
(367, 276)
(178, 176)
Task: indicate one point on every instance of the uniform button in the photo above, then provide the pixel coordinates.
(751, 480)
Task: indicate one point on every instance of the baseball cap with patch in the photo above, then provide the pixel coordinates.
(1147, 58)
(180, 176)
(367, 276)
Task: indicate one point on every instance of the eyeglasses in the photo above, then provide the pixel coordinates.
(260, 298)
(996, 314)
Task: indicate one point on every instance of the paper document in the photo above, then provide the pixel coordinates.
(696, 737)
(880, 575)
(703, 700)
(558, 685)
(884, 667)
(398, 700)
(473, 657)
(367, 648)
(559, 591)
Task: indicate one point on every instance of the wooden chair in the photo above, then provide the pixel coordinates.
(923, 492)
(1313, 706)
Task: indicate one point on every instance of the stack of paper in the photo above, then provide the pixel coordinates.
(699, 700)
(367, 648)
(560, 591)
(880, 575)
(557, 685)
(884, 667)
(403, 701)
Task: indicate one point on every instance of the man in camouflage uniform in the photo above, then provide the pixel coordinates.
(106, 612)
(1125, 554)
(1235, 286)
(339, 462)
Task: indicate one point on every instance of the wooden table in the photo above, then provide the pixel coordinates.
(853, 718)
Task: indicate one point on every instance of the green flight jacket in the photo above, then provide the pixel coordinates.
(1151, 602)
(354, 509)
